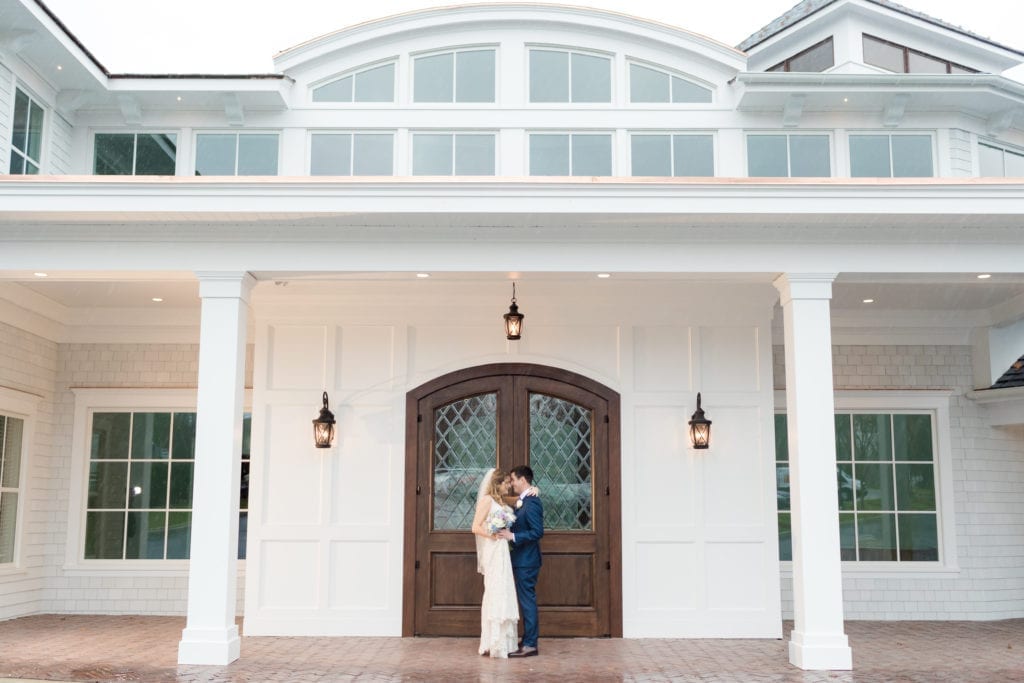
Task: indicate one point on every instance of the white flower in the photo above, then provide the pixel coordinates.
(519, 503)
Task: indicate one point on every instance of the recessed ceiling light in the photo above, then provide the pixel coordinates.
(40, 274)
(604, 275)
(179, 98)
(869, 301)
(156, 299)
(60, 68)
(422, 275)
(984, 276)
(846, 99)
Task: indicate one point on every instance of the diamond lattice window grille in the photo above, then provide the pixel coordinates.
(465, 447)
(560, 455)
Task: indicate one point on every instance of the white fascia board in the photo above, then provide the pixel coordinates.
(447, 18)
(790, 82)
(186, 196)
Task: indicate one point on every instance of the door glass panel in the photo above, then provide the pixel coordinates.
(465, 447)
(561, 456)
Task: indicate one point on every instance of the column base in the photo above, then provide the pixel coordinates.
(820, 652)
(209, 646)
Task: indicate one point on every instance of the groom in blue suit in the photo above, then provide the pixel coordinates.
(525, 535)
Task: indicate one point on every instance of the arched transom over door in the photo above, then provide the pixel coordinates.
(566, 428)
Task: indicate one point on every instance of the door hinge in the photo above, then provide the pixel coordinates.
(607, 490)
(417, 489)
(417, 564)
(606, 420)
(608, 564)
(419, 418)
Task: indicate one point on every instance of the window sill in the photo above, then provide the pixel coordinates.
(156, 568)
(886, 570)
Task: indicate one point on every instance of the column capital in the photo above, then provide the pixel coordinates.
(804, 286)
(225, 284)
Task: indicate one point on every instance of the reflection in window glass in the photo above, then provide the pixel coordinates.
(560, 76)
(884, 55)
(869, 156)
(886, 486)
(236, 154)
(923, 64)
(780, 156)
(463, 76)
(138, 503)
(570, 154)
(1000, 162)
(684, 91)
(12, 431)
(815, 59)
(912, 156)
(902, 59)
(26, 135)
(648, 85)
(452, 154)
(376, 84)
(433, 80)
(672, 155)
(344, 154)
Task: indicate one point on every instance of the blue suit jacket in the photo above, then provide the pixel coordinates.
(528, 529)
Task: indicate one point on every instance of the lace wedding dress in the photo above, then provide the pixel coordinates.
(499, 611)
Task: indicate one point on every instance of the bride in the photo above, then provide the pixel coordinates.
(499, 610)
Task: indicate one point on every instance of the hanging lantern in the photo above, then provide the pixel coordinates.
(513, 319)
(323, 427)
(700, 427)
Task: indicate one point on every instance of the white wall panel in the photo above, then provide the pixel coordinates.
(434, 347)
(297, 356)
(661, 358)
(289, 574)
(664, 468)
(590, 346)
(728, 359)
(735, 574)
(667, 576)
(361, 468)
(360, 575)
(293, 469)
(734, 467)
(366, 357)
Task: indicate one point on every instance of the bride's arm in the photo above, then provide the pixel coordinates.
(483, 506)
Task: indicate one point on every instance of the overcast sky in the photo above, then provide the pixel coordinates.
(242, 36)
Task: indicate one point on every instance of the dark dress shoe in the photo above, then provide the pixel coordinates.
(525, 651)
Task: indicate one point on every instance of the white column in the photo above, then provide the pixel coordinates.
(210, 635)
(818, 640)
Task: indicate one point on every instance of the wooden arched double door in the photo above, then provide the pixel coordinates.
(566, 428)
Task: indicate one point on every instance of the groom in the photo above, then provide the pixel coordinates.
(525, 535)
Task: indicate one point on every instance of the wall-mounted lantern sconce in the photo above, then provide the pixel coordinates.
(513, 319)
(323, 427)
(700, 428)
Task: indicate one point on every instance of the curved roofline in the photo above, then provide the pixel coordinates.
(403, 17)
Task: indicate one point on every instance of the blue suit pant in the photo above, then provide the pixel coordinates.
(526, 591)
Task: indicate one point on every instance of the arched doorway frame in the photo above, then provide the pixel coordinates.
(614, 492)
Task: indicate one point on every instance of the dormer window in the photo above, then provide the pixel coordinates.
(373, 84)
(568, 76)
(651, 85)
(904, 60)
(457, 76)
(815, 59)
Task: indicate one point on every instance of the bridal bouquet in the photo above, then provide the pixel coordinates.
(501, 518)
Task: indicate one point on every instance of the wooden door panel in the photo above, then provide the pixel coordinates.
(559, 427)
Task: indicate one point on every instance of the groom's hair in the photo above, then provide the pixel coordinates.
(522, 472)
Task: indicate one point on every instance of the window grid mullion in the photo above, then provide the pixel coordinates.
(238, 144)
(895, 502)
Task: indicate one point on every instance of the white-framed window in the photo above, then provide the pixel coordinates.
(461, 154)
(1000, 161)
(788, 155)
(893, 475)
(465, 75)
(650, 84)
(26, 135)
(891, 155)
(360, 154)
(672, 154)
(240, 154)
(134, 461)
(134, 153)
(372, 83)
(17, 411)
(562, 75)
(570, 154)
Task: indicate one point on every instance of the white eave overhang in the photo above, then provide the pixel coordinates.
(1003, 407)
(983, 95)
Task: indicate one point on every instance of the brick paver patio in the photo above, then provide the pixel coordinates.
(131, 648)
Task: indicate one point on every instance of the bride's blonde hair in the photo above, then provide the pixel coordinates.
(495, 488)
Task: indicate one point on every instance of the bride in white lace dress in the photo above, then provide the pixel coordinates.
(499, 610)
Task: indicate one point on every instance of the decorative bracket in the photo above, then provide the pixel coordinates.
(70, 101)
(1000, 122)
(13, 42)
(894, 110)
(130, 109)
(793, 110)
(233, 109)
